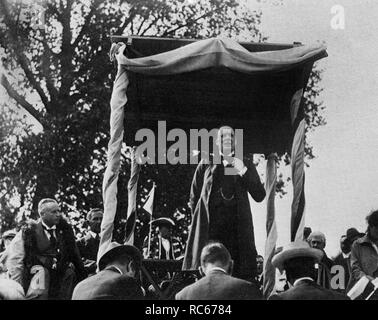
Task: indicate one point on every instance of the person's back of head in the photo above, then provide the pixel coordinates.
(215, 254)
(129, 264)
(299, 267)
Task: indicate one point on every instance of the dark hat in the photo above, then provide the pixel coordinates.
(115, 250)
(163, 222)
(353, 233)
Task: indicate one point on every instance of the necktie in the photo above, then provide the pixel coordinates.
(52, 237)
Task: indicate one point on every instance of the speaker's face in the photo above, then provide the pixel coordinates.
(226, 140)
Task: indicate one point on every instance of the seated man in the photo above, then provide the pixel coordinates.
(48, 249)
(88, 245)
(119, 267)
(317, 240)
(217, 283)
(298, 260)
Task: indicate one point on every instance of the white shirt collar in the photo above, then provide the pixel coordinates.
(47, 227)
(118, 269)
(217, 269)
(93, 234)
(300, 279)
(345, 255)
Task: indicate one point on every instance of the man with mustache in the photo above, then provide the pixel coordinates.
(47, 249)
(88, 245)
(220, 207)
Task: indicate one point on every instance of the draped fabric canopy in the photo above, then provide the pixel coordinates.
(204, 84)
(220, 52)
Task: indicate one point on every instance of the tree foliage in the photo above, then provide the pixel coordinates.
(65, 72)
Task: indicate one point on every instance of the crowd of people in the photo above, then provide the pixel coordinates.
(44, 260)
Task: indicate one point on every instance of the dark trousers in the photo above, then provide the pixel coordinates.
(223, 227)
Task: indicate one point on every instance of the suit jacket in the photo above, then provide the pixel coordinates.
(32, 247)
(88, 247)
(339, 260)
(308, 290)
(108, 284)
(363, 260)
(199, 204)
(220, 286)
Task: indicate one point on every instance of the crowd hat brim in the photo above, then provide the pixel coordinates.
(353, 233)
(163, 222)
(295, 250)
(115, 250)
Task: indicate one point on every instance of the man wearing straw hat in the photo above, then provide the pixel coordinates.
(298, 260)
(162, 246)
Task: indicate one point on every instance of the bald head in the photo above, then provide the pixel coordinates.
(317, 240)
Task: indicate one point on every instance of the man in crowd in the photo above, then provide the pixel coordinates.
(220, 206)
(88, 245)
(306, 232)
(364, 254)
(343, 258)
(217, 282)
(119, 268)
(48, 247)
(317, 240)
(298, 260)
(164, 246)
(260, 270)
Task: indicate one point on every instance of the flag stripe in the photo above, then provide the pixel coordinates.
(132, 189)
(149, 204)
(297, 163)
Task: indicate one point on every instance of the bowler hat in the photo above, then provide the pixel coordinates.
(115, 250)
(352, 234)
(295, 250)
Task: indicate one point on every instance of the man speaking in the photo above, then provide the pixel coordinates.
(220, 207)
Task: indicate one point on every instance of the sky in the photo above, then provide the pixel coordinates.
(341, 183)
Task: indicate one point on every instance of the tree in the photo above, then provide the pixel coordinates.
(63, 69)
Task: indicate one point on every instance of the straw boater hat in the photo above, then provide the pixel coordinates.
(295, 250)
(163, 222)
(115, 249)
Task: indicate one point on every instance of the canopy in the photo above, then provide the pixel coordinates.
(213, 82)
(207, 83)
